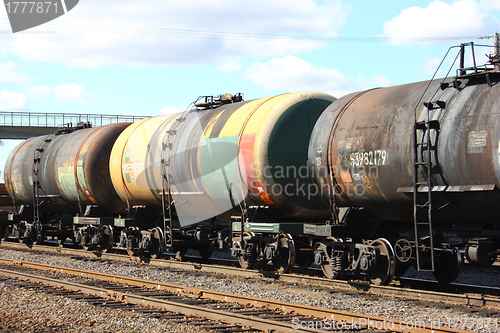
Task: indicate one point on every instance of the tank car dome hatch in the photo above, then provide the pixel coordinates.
(214, 158)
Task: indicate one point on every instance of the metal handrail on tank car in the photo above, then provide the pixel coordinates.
(461, 72)
(201, 103)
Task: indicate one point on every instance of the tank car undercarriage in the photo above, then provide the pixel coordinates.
(383, 259)
(331, 247)
(368, 256)
(140, 234)
(23, 228)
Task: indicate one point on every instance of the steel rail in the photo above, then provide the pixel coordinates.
(354, 320)
(131, 298)
(453, 298)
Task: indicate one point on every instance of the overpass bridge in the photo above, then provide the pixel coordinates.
(24, 125)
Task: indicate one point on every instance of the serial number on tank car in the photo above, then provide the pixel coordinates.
(371, 157)
(132, 167)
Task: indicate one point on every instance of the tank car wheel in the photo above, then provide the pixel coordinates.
(329, 272)
(284, 257)
(477, 254)
(88, 247)
(158, 244)
(447, 267)
(245, 264)
(106, 243)
(206, 250)
(385, 270)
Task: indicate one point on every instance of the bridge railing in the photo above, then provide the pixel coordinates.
(61, 119)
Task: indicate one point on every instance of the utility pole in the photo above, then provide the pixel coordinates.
(497, 44)
(494, 56)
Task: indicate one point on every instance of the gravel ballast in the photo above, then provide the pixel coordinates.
(410, 311)
(28, 310)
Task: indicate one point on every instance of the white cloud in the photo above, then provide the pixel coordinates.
(35, 92)
(73, 93)
(132, 34)
(490, 4)
(430, 66)
(230, 67)
(451, 63)
(10, 73)
(169, 110)
(294, 74)
(377, 80)
(439, 19)
(12, 101)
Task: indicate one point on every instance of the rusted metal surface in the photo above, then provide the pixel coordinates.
(5, 199)
(217, 157)
(368, 154)
(73, 170)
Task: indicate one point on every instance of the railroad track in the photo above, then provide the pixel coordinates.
(495, 267)
(207, 309)
(454, 293)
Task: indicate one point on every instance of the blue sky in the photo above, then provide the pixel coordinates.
(128, 57)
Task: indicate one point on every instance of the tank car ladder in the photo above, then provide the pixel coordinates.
(167, 177)
(201, 103)
(422, 205)
(38, 192)
(37, 188)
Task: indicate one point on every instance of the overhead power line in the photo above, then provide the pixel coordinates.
(206, 34)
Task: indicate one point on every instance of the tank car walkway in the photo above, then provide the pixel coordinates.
(24, 125)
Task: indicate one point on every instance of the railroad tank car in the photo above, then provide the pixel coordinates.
(212, 160)
(417, 164)
(63, 174)
(251, 139)
(178, 180)
(381, 180)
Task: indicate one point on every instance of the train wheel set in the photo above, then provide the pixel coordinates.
(369, 184)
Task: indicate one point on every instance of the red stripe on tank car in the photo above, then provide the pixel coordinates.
(247, 167)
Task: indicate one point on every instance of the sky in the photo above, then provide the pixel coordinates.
(129, 57)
